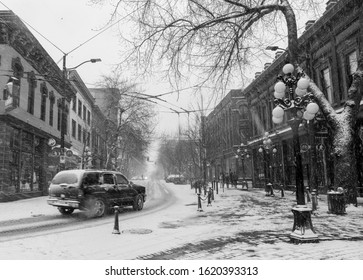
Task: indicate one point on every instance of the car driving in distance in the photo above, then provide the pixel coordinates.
(94, 191)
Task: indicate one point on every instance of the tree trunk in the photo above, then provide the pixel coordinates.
(345, 165)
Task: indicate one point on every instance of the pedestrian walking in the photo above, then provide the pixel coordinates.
(235, 179)
(221, 179)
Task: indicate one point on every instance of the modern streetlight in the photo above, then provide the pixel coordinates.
(63, 120)
(266, 149)
(243, 153)
(298, 104)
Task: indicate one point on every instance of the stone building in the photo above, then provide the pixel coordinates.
(33, 106)
(330, 47)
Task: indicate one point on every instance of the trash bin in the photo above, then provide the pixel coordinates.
(336, 202)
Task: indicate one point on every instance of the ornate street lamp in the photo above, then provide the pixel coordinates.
(266, 149)
(298, 104)
(243, 153)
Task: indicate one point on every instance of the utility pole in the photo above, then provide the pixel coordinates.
(63, 115)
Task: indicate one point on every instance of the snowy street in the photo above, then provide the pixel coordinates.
(238, 225)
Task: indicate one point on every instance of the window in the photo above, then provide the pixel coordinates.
(43, 104)
(88, 117)
(84, 113)
(108, 179)
(121, 180)
(80, 108)
(18, 71)
(88, 139)
(51, 107)
(327, 85)
(352, 66)
(74, 128)
(31, 92)
(84, 136)
(59, 115)
(79, 132)
(74, 104)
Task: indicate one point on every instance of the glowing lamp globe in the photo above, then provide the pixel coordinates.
(280, 87)
(303, 83)
(277, 120)
(279, 95)
(278, 112)
(236, 156)
(288, 68)
(300, 92)
(308, 116)
(268, 141)
(312, 108)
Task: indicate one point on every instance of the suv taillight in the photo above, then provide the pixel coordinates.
(80, 193)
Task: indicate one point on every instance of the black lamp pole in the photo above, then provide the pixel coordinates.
(298, 104)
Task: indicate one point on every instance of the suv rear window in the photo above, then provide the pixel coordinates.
(65, 178)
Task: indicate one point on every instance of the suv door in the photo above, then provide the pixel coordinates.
(126, 191)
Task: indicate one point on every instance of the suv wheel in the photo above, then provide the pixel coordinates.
(65, 211)
(97, 207)
(138, 203)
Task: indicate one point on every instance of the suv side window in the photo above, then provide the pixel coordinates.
(121, 180)
(108, 179)
(91, 179)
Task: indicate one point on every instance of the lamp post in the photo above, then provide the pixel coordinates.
(243, 153)
(63, 114)
(298, 104)
(266, 149)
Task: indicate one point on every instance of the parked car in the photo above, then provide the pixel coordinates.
(176, 179)
(94, 191)
(180, 179)
(170, 178)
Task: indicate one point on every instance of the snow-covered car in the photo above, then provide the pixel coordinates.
(94, 191)
(175, 178)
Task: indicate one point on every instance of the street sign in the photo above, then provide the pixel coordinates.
(62, 159)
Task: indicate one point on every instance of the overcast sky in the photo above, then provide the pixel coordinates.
(68, 27)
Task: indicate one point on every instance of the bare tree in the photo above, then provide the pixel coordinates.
(216, 39)
(129, 137)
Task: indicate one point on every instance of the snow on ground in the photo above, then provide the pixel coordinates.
(238, 225)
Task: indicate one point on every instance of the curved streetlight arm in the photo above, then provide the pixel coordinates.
(274, 48)
(92, 60)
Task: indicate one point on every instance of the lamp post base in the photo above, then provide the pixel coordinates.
(303, 230)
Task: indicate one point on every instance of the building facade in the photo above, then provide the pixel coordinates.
(330, 47)
(33, 106)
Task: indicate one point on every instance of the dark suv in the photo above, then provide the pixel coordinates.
(94, 191)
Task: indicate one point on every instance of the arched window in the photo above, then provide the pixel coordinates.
(18, 71)
(31, 93)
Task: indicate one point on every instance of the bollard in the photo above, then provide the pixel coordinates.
(314, 200)
(272, 190)
(199, 203)
(210, 197)
(116, 227)
(216, 187)
(282, 190)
